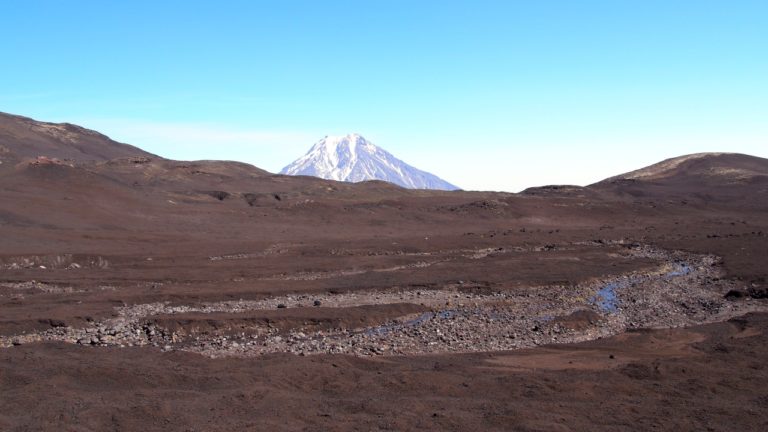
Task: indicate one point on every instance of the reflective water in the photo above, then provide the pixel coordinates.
(607, 299)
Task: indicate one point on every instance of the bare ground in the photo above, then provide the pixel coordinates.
(138, 293)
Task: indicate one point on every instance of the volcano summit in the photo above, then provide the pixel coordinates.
(352, 158)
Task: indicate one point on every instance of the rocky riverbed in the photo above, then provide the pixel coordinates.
(686, 289)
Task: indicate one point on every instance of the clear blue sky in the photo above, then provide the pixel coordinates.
(495, 95)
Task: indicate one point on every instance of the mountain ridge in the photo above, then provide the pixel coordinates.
(23, 138)
(352, 158)
(719, 165)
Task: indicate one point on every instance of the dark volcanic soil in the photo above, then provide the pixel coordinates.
(706, 378)
(138, 293)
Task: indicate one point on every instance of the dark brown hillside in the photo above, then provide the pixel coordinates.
(703, 177)
(720, 168)
(23, 138)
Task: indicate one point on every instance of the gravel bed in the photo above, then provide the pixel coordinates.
(686, 290)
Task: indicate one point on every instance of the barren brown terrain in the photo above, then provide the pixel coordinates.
(140, 293)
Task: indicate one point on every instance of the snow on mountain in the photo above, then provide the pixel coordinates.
(352, 158)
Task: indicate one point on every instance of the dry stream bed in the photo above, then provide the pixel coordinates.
(686, 289)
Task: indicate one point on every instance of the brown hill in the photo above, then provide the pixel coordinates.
(701, 177)
(718, 167)
(23, 138)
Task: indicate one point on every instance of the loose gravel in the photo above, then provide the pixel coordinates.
(686, 290)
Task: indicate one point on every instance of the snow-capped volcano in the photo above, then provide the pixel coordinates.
(352, 158)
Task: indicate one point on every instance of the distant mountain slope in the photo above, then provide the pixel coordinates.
(702, 168)
(352, 158)
(22, 138)
(725, 177)
(716, 166)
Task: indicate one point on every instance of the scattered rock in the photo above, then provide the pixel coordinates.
(735, 294)
(462, 318)
(57, 323)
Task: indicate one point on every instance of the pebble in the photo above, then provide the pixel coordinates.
(517, 319)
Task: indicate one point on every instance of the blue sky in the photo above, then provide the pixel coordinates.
(492, 95)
